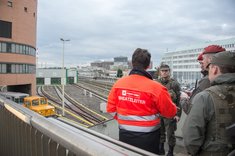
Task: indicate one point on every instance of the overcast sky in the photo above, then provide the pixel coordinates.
(104, 29)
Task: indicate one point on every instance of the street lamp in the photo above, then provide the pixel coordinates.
(63, 75)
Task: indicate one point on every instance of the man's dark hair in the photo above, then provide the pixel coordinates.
(141, 58)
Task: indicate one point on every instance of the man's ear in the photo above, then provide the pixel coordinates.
(217, 70)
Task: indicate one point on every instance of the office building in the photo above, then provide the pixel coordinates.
(183, 61)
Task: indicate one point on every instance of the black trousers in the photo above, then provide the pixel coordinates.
(147, 141)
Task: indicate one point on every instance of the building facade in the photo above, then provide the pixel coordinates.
(120, 62)
(18, 19)
(102, 64)
(183, 62)
(52, 76)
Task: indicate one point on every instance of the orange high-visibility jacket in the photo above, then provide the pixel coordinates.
(137, 102)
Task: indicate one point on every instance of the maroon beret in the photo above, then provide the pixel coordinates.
(199, 58)
(213, 49)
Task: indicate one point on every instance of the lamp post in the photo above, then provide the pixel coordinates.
(63, 75)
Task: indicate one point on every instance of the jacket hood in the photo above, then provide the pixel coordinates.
(224, 78)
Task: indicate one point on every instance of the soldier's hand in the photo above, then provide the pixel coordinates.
(177, 119)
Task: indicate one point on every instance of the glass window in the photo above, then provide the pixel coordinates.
(30, 53)
(4, 68)
(17, 48)
(8, 47)
(24, 68)
(34, 52)
(8, 68)
(21, 68)
(32, 69)
(13, 46)
(26, 50)
(21, 49)
(27, 103)
(9, 3)
(13, 68)
(21, 100)
(4, 47)
(17, 100)
(29, 50)
(6, 29)
(17, 68)
(43, 101)
(35, 102)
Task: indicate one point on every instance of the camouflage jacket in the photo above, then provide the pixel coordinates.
(174, 90)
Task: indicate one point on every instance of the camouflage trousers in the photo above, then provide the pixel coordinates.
(168, 128)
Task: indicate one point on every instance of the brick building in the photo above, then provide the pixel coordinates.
(18, 19)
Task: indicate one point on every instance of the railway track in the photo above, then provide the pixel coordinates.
(92, 89)
(106, 86)
(74, 110)
(80, 109)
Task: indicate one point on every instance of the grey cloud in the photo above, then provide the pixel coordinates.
(103, 29)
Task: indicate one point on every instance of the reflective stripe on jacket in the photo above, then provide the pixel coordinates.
(140, 122)
(138, 102)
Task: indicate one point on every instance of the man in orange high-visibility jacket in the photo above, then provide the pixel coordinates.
(136, 102)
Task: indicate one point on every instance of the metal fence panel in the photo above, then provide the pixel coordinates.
(25, 133)
(52, 148)
(61, 151)
(45, 145)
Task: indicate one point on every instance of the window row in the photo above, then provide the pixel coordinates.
(184, 61)
(186, 56)
(186, 66)
(229, 46)
(190, 51)
(181, 56)
(7, 68)
(8, 47)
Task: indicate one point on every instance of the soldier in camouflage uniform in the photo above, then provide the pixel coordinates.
(169, 125)
(213, 110)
